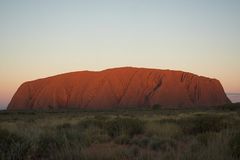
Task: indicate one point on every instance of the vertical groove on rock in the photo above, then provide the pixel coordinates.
(101, 83)
(151, 93)
(127, 86)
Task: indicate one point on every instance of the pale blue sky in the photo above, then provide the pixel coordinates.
(40, 38)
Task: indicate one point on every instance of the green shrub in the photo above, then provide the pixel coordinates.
(205, 137)
(48, 144)
(163, 129)
(202, 124)
(173, 121)
(13, 146)
(102, 138)
(75, 136)
(157, 143)
(96, 135)
(64, 126)
(156, 106)
(131, 152)
(217, 147)
(122, 139)
(140, 141)
(163, 144)
(100, 117)
(231, 107)
(91, 122)
(124, 126)
(54, 141)
(235, 145)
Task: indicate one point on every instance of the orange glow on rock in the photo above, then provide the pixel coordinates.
(119, 87)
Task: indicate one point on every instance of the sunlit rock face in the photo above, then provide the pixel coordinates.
(119, 88)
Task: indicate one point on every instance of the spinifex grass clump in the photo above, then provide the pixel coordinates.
(92, 122)
(235, 145)
(202, 124)
(124, 126)
(13, 146)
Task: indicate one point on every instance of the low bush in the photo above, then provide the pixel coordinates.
(130, 152)
(156, 106)
(231, 107)
(202, 124)
(51, 143)
(92, 122)
(13, 146)
(163, 129)
(122, 139)
(235, 145)
(157, 143)
(124, 126)
(204, 138)
(96, 135)
(140, 141)
(100, 117)
(102, 138)
(48, 144)
(64, 126)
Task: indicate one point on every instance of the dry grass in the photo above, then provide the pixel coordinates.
(121, 135)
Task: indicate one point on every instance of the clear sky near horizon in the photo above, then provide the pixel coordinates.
(49, 37)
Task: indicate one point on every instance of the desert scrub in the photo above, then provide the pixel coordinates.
(124, 126)
(204, 138)
(64, 126)
(48, 144)
(103, 152)
(216, 148)
(52, 142)
(122, 139)
(141, 141)
(13, 146)
(201, 124)
(96, 135)
(156, 106)
(130, 152)
(157, 143)
(154, 143)
(235, 145)
(121, 135)
(94, 128)
(92, 122)
(163, 129)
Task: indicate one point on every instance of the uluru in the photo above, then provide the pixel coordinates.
(119, 88)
